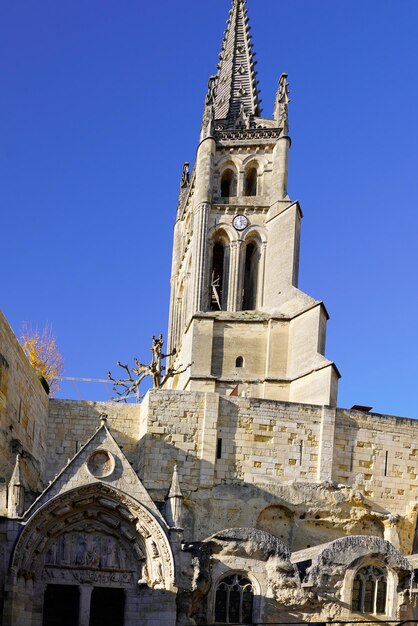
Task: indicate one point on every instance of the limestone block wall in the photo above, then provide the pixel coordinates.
(172, 430)
(23, 412)
(379, 455)
(265, 441)
(216, 439)
(72, 423)
(227, 447)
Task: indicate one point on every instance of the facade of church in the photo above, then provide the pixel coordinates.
(239, 492)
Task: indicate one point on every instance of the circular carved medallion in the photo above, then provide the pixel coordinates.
(101, 463)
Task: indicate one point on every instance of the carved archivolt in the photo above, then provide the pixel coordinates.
(339, 555)
(96, 534)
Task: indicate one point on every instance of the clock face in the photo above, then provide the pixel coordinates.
(240, 222)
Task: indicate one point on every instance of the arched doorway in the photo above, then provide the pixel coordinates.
(91, 548)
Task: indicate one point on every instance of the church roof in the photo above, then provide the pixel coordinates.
(236, 84)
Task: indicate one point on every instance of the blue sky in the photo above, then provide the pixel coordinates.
(101, 104)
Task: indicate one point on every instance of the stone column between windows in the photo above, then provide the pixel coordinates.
(261, 275)
(85, 601)
(200, 229)
(326, 444)
(234, 276)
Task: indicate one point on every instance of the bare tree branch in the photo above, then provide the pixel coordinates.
(128, 387)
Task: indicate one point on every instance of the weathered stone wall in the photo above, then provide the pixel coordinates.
(23, 414)
(379, 455)
(72, 423)
(225, 445)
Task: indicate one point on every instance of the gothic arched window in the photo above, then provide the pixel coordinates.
(229, 184)
(219, 277)
(251, 266)
(369, 590)
(234, 600)
(251, 181)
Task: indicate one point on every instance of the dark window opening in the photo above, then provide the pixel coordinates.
(219, 449)
(217, 277)
(251, 182)
(249, 301)
(228, 184)
(61, 605)
(239, 361)
(107, 607)
(369, 591)
(234, 601)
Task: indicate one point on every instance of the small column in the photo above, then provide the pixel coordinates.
(200, 227)
(84, 608)
(234, 276)
(261, 276)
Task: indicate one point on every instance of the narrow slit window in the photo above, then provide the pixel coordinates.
(239, 361)
(219, 449)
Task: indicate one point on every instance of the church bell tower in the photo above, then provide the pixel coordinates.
(236, 313)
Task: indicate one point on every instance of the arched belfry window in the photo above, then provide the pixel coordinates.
(229, 184)
(251, 181)
(251, 270)
(370, 590)
(219, 277)
(234, 600)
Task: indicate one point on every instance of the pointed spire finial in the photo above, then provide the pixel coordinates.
(235, 86)
(282, 104)
(16, 477)
(174, 504)
(16, 491)
(175, 489)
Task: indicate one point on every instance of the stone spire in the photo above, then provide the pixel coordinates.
(234, 89)
(174, 504)
(16, 492)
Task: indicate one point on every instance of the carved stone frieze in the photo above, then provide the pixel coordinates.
(95, 528)
(95, 550)
(87, 576)
(248, 135)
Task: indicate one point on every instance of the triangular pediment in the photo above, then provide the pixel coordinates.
(100, 460)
